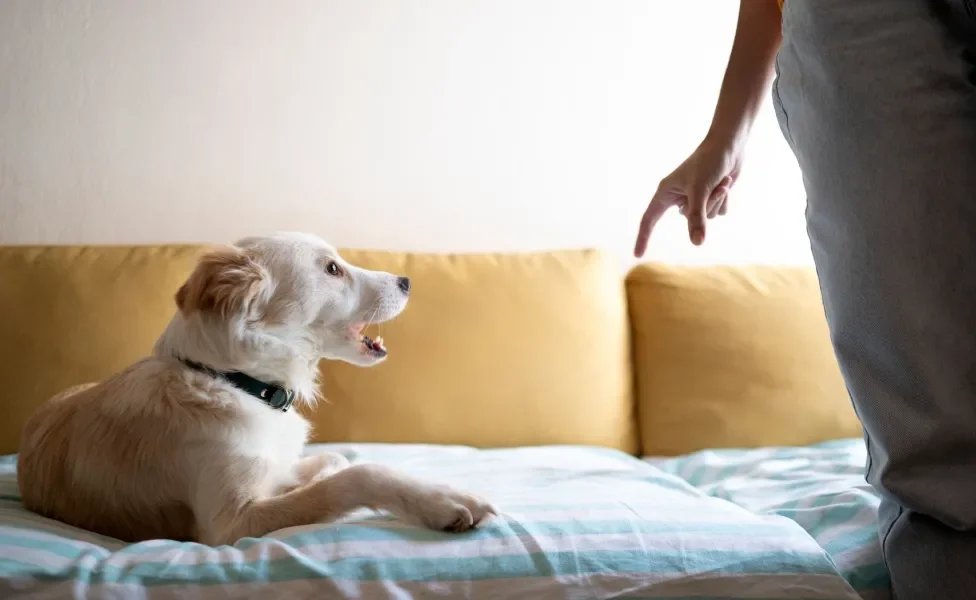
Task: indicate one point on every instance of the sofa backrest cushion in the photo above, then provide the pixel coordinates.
(733, 357)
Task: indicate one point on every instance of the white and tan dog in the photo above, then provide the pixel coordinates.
(196, 442)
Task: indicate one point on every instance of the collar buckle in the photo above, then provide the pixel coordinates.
(281, 399)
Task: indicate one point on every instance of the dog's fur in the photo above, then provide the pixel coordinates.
(164, 451)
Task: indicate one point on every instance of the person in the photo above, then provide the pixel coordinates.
(877, 99)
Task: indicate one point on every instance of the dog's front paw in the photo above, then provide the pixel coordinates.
(446, 509)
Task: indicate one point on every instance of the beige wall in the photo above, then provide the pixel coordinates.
(410, 124)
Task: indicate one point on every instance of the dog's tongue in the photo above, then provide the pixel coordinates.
(374, 345)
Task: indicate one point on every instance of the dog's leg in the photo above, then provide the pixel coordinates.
(319, 466)
(231, 514)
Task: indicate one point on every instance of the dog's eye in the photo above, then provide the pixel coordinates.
(333, 269)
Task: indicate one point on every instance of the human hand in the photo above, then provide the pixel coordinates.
(699, 187)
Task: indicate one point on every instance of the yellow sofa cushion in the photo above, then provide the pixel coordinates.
(733, 357)
(493, 350)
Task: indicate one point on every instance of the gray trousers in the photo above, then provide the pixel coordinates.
(878, 100)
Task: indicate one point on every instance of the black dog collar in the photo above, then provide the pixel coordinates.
(274, 396)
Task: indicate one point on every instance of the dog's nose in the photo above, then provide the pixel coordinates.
(404, 284)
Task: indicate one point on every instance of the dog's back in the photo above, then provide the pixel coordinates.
(90, 456)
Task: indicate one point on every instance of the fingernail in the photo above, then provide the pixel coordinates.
(697, 237)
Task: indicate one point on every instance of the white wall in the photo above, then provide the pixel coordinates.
(411, 124)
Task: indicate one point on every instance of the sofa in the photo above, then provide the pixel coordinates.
(657, 432)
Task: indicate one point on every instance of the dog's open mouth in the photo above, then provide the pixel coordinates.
(375, 347)
(370, 347)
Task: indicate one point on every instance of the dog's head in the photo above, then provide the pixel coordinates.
(295, 289)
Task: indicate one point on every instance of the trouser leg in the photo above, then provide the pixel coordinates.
(878, 100)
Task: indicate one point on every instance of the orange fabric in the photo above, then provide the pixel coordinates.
(734, 357)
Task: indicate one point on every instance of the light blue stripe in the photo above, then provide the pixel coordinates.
(535, 564)
(334, 534)
(64, 549)
(855, 539)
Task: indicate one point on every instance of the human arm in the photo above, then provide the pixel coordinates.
(700, 185)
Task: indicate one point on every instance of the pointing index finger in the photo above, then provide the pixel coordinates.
(655, 210)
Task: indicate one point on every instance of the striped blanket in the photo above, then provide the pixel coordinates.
(576, 522)
(820, 488)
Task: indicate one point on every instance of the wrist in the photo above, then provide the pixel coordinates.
(728, 139)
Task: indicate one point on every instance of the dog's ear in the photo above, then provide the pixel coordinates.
(225, 282)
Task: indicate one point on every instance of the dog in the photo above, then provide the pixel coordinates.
(198, 442)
